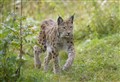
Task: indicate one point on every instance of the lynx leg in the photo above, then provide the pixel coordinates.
(56, 68)
(37, 51)
(69, 61)
(47, 60)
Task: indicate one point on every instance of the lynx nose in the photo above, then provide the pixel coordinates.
(68, 34)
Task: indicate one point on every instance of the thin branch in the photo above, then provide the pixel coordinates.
(21, 42)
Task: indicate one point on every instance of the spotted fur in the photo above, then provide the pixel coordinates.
(54, 37)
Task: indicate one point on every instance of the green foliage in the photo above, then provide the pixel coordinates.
(7, 68)
(102, 21)
(8, 36)
(10, 44)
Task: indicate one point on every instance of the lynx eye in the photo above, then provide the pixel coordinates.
(70, 26)
(64, 27)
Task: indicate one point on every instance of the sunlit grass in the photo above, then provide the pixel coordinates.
(97, 60)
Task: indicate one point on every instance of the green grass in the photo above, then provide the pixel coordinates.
(96, 60)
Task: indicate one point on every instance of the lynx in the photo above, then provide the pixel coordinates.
(53, 37)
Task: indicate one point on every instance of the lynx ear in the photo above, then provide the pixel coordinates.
(71, 18)
(59, 20)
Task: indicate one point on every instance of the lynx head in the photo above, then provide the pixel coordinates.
(65, 28)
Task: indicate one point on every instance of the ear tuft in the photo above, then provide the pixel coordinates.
(71, 18)
(59, 20)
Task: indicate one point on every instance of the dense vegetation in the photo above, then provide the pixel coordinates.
(96, 38)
